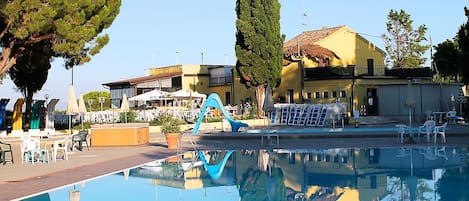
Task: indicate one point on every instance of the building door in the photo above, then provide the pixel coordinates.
(227, 98)
(370, 67)
(372, 101)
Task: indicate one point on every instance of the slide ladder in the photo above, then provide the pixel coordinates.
(215, 170)
(213, 100)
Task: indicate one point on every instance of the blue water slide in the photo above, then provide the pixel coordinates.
(215, 170)
(213, 100)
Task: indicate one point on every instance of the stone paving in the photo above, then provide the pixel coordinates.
(21, 180)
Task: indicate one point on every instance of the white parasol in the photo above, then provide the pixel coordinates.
(125, 106)
(81, 109)
(410, 103)
(72, 106)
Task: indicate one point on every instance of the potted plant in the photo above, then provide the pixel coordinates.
(171, 129)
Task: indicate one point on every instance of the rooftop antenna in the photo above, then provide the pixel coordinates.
(303, 24)
(305, 21)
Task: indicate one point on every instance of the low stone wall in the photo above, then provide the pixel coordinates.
(122, 134)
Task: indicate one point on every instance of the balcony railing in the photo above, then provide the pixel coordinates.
(319, 73)
(221, 80)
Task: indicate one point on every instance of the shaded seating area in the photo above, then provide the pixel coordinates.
(428, 128)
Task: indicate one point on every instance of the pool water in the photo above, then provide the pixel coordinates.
(427, 173)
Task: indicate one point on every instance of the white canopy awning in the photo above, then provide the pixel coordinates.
(155, 94)
(183, 94)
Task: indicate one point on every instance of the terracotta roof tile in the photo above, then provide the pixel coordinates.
(307, 41)
(310, 51)
(311, 37)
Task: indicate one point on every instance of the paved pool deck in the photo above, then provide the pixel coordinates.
(18, 181)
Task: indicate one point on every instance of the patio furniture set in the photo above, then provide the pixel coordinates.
(32, 151)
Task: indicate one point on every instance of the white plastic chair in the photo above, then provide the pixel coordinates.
(29, 149)
(427, 129)
(440, 130)
(60, 146)
(401, 131)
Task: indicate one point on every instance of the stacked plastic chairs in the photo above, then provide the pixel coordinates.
(313, 115)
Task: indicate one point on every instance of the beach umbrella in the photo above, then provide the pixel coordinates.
(125, 106)
(268, 104)
(72, 106)
(461, 99)
(81, 109)
(410, 102)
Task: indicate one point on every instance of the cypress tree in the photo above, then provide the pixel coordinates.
(259, 45)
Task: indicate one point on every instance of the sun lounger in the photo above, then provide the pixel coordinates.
(284, 117)
(322, 117)
(304, 115)
(292, 114)
(313, 118)
(275, 115)
(298, 111)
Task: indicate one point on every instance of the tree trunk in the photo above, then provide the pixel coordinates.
(260, 96)
(27, 112)
(6, 62)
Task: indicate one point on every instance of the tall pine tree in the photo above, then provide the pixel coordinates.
(72, 27)
(463, 42)
(259, 45)
(403, 44)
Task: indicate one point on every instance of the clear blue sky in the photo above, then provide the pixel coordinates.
(149, 33)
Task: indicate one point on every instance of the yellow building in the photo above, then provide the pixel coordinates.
(190, 77)
(320, 66)
(334, 65)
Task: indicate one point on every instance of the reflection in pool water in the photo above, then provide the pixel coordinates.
(427, 173)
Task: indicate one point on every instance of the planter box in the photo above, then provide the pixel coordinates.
(119, 134)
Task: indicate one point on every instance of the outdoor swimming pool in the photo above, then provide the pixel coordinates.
(426, 173)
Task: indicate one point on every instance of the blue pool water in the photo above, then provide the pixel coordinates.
(426, 173)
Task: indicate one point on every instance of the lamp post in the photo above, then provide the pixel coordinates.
(46, 96)
(202, 56)
(90, 102)
(101, 100)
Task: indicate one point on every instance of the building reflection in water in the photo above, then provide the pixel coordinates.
(426, 173)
